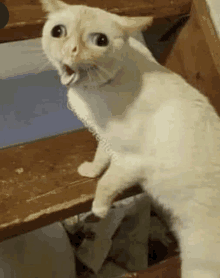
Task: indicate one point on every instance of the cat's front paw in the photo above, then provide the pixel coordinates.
(87, 169)
(100, 211)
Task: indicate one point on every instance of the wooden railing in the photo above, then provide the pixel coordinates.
(40, 184)
(27, 18)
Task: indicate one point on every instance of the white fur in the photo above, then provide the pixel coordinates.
(160, 130)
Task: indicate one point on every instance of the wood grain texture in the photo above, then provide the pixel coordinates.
(39, 183)
(169, 268)
(27, 18)
(195, 54)
(204, 19)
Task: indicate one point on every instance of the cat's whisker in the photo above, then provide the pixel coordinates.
(106, 72)
(40, 52)
(43, 58)
(35, 49)
(95, 70)
(104, 76)
(34, 46)
(94, 83)
(32, 52)
(92, 71)
(40, 55)
(39, 47)
(101, 78)
(90, 80)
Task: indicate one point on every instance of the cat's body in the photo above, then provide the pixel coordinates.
(153, 128)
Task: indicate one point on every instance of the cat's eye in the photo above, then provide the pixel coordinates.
(100, 39)
(58, 31)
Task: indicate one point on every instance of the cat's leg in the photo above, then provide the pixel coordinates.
(117, 178)
(97, 166)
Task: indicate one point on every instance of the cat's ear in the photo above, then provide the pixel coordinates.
(132, 24)
(51, 6)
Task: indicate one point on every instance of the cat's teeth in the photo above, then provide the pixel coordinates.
(66, 79)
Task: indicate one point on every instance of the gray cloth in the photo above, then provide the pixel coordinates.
(121, 239)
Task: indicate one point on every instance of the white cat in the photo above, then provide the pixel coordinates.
(153, 127)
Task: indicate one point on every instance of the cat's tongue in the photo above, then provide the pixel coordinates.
(66, 78)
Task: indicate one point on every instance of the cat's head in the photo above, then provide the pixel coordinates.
(85, 43)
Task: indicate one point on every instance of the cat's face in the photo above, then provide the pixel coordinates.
(84, 43)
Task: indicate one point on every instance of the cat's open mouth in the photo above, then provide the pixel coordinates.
(69, 76)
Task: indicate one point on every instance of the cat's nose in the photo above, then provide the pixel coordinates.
(74, 49)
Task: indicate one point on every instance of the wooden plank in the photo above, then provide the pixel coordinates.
(27, 18)
(195, 57)
(166, 269)
(39, 183)
(205, 21)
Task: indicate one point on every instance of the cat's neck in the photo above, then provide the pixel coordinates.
(114, 98)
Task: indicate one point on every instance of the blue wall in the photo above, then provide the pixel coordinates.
(34, 106)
